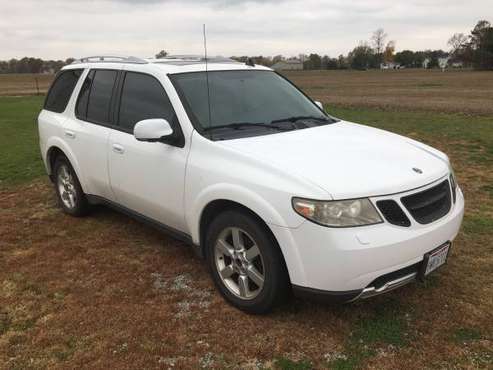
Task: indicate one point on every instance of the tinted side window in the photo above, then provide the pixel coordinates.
(98, 107)
(61, 90)
(81, 107)
(143, 97)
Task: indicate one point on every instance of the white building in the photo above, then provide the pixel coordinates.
(443, 62)
(390, 65)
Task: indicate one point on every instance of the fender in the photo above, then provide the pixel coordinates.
(54, 141)
(235, 193)
(259, 205)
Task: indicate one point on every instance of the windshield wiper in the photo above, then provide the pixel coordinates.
(241, 125)
(301, 118)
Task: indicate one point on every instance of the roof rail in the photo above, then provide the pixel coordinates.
(192, 58)
(110, 59)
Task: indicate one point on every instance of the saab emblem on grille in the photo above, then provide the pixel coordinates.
(417, 170)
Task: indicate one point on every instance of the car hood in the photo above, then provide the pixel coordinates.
(348, 160)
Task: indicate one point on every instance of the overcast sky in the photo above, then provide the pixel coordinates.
(60, 29)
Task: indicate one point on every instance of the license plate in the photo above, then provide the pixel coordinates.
(435, 259)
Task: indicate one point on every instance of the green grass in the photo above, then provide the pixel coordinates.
(462, 335)
(20, 159)
(478, 224)
(488, 189)
(384, 327)
(475, 133)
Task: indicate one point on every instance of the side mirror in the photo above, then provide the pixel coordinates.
(155, 129)
(320, 105)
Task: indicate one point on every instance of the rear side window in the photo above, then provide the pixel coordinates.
(98, 106)
(61, 90)
(143, 97)
(81, 107)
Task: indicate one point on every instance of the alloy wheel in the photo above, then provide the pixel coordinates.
(66, 187)
(239, 263)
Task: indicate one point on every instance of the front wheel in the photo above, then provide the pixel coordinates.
(67, 186)
(246, 263)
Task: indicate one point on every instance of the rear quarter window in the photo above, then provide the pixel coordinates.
(61, 90)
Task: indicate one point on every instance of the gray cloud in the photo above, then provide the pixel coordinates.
(58, 28)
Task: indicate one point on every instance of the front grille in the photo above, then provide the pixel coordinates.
(393, 213)
(429, 205)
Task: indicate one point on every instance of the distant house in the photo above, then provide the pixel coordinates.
(288, 64)
(426, 61)
(390, 65)
(443, 62)
(457, 64)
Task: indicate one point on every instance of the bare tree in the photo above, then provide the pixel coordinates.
(457, 42)
(378, 42)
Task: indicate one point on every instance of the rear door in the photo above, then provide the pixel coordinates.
(145, 177)
(89, 130)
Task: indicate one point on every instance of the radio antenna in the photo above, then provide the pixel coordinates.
(207, 76)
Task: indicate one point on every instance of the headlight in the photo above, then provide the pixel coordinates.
(339, 213)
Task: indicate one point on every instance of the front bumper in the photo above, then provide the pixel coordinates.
(381, 285)
(340, 264)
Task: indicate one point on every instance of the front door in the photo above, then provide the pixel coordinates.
(146, 177)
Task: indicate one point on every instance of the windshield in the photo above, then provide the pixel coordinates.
(246, 101)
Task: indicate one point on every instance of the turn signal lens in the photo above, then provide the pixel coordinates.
(341, 213)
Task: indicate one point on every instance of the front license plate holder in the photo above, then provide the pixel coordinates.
(434, 259)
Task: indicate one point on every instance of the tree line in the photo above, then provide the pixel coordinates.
(32, 65)
(474, 50)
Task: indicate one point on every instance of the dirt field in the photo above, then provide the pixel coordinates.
(24, 84)
(450, 91)
(108, 292)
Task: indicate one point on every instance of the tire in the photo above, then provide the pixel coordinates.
(246, 263)
(69, 193)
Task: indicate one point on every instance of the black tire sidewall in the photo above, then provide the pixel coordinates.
(276, 281)
(81, 205)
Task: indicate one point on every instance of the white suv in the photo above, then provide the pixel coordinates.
(232, 158)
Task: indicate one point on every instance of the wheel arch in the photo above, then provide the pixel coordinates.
(56, 147)
(51, 156)
(218, 206)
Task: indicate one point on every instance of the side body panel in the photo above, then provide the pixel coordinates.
(149, 177)
(216, 172)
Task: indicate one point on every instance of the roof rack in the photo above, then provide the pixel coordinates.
(192, 59)
(110, 59)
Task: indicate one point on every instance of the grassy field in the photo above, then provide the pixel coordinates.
(108, 292)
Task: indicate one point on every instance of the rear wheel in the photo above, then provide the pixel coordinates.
(67, 186)
(246, 263)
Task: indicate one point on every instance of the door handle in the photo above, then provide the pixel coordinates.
(117, 148)
(70, 134)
